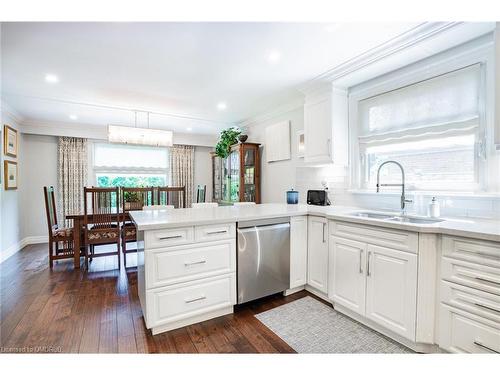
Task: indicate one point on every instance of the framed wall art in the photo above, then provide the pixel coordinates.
(10, 141)
(10, 174)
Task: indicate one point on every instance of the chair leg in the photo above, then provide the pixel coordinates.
(118, 247)
(51, 261)
(86, 258)
(124, 250)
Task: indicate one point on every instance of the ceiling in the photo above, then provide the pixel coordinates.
(178, 71)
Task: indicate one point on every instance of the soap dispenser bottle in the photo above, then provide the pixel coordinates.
(434, 210)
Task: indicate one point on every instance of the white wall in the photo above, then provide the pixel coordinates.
(39, 170)
(203, 170)
(279, 176)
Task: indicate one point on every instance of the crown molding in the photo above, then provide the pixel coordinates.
(401, 42)
(10, 111)
(270, 114)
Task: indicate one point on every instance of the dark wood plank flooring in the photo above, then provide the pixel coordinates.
(74, 311)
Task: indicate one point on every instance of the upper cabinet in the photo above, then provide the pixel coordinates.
(326, 127)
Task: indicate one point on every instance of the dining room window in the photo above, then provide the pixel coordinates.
(432, 127)
(130, 166)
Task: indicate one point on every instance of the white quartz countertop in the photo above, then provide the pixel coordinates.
(160, 219)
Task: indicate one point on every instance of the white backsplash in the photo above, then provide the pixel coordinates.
(487, 207)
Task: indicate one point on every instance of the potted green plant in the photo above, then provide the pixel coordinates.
(228, 137)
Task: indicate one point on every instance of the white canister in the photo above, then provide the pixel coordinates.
(434, 210)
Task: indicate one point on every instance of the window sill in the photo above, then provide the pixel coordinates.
(457, 194)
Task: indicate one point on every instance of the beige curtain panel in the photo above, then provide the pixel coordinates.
(72, 165)
(182, 170)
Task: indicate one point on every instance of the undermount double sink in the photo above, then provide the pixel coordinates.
(396, 218)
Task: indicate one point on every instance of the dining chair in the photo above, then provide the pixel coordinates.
(244, 203)
(205, 205)
(200, 193)
(171, 195)
(158, 207)
(132, 199)
(101, 221)
(61, 244)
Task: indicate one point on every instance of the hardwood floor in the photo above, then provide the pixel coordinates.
(74, 311)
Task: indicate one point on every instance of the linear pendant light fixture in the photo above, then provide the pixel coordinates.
(140, 136)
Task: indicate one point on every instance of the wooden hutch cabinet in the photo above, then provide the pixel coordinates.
(237, 177)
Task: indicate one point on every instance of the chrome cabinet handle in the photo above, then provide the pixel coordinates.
(488, 281)
(217, 232)
(170, 237)
(329, 145)
(486, 307)
(485, 347)
(324, 225)
(368, 273)
(360, 259)
(195, 299)
(193, 263)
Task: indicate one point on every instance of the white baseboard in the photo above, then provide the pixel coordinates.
(11, 250)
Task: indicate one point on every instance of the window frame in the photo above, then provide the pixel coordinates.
(125, 170)
(477, 52)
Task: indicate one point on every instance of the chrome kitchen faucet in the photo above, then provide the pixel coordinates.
(402, 184)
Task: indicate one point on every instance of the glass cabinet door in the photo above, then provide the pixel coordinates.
(218, 176)
(234, 188)
(249, 156)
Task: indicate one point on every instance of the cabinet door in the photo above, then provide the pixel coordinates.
(317, 250)
(391, 295)
(298, 251)
(318, 131)
(346, 273)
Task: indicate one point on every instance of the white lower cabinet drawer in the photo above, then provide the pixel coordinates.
(184, 263)
(168, 237)
(183, 301)
(470, 274)
(214, 232)
(486, 305)
(461, 332)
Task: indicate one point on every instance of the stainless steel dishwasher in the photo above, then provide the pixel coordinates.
(263, 258)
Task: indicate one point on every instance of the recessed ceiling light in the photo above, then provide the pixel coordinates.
(51, 78)
(221, 106)
(73, 117)
(274, 57)
(189, 129)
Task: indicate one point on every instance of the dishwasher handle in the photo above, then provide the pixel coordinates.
(263, 227)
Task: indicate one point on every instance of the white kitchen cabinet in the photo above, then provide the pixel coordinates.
(469, 310)
(372, 280)
(391, 289)
(347, 261)
(325, 127)
(298, 251)
(317, 257)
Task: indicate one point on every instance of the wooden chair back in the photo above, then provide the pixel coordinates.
(50, 208)
(134, 199)
(104, 207)
(200, 193)
(171, 195)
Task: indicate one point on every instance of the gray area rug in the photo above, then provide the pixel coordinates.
(309, 326)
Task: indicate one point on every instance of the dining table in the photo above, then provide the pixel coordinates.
(78, 229)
